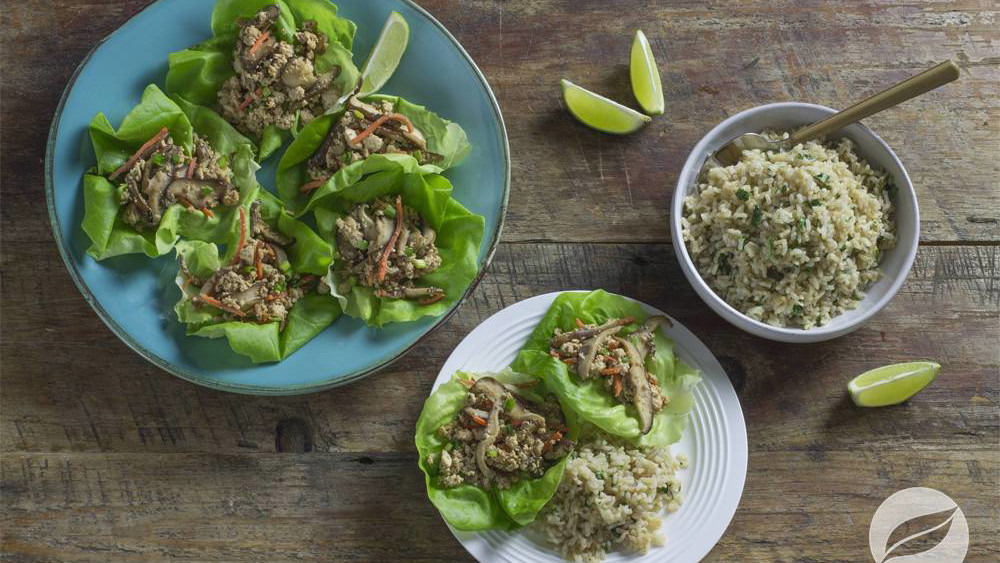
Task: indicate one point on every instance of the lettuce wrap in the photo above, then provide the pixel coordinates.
(307, 255)
(588, 399)
(459, 234)
(468, 507)
(444, 138)
(199, 72)
(110, 235)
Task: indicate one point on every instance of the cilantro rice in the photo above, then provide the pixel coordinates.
(612, 496)
(791, 238)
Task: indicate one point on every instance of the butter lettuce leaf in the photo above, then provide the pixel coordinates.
(109, 234)
(308, 254)
(590, 400)
(471, 508)
(459, 235)
(198, 72)
(443, 138)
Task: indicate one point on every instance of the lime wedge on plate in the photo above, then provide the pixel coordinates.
(891, 385)
(601, 113)
(646, 83)
(385, 55)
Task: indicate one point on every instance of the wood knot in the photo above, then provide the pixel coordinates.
(365, 460)
(735, 371)
(293, 435)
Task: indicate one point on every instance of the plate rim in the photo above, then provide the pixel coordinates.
(242, 388)
(740, 445)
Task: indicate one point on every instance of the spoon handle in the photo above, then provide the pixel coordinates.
(910, 88)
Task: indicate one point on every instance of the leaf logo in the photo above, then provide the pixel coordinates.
(910, 504)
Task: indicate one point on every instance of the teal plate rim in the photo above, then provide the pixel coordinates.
(246, 389)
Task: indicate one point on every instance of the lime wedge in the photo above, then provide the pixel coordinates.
(891, 385)
(601, 113)
(646, 83)
(385, 55)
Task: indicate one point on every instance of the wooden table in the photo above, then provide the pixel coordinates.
(106, 458)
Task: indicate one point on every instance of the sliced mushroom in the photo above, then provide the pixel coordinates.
(491, 388)
(637, 387)
(249, 296)
(194, 190)
(489, 438)
(420, 292)
(370, 111)
(154, 189)
(589, 350)
(643, 338)
(384, 227)
(585, 333)
(260, 229)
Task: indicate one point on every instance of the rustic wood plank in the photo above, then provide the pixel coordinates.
(714, 60)
(946, 312)
(323, 506)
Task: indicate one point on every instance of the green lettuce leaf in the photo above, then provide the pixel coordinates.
(471, 508)
(198, 72)
(443, 137)
(589, 399)
(459, 234)
(109, 235)
(308, 254)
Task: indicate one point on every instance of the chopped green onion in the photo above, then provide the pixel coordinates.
(418, 154)
(821, 180)
(157, 159)
(285, 266)
(797, 310)
(757, 214)
(815, 203)
(743, 194)
(599, 474)
(358, 114)
(265, 91)
(177, 158)
(223, 161)
(409, 251)
(419, 264)
(492, 453)
(361, 245)
(389, 212)
(509, 404)
(206, 191)
(449, 446)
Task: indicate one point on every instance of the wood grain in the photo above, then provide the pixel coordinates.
(105, 458)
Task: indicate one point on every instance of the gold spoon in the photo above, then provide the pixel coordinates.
(912, 87)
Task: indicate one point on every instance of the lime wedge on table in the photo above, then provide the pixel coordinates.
(646, 83)
(601, 113)
(891, 385)
(385, 55)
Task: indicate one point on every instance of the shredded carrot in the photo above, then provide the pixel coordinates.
(260, 41)
(274, 296)
(250, 97)
(141, 153)
(554, 353)
(383, 261)
(516, 422)
(433, 299)
(257, 261)
(556, 436)
(220, 305)
(579, 323)
(187, 202)
(310, 186)
(382, 119)
(569, 360)
(611, 371)
(478, 420)
(243, 236)
(191, 167)
(208, 212)
(618, 384)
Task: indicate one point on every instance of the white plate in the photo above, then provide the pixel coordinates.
(715, 442)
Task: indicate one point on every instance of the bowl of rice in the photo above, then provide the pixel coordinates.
(800, 245)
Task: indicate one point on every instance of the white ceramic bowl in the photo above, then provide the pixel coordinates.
(895, 263)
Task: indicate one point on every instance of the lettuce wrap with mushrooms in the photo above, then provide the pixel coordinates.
(510, 426)
(371, 134)
(270, 67)
(167, 171)
(405, 248)
(265, 295)
(610, 363)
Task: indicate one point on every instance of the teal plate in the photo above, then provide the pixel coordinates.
(134, 295)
